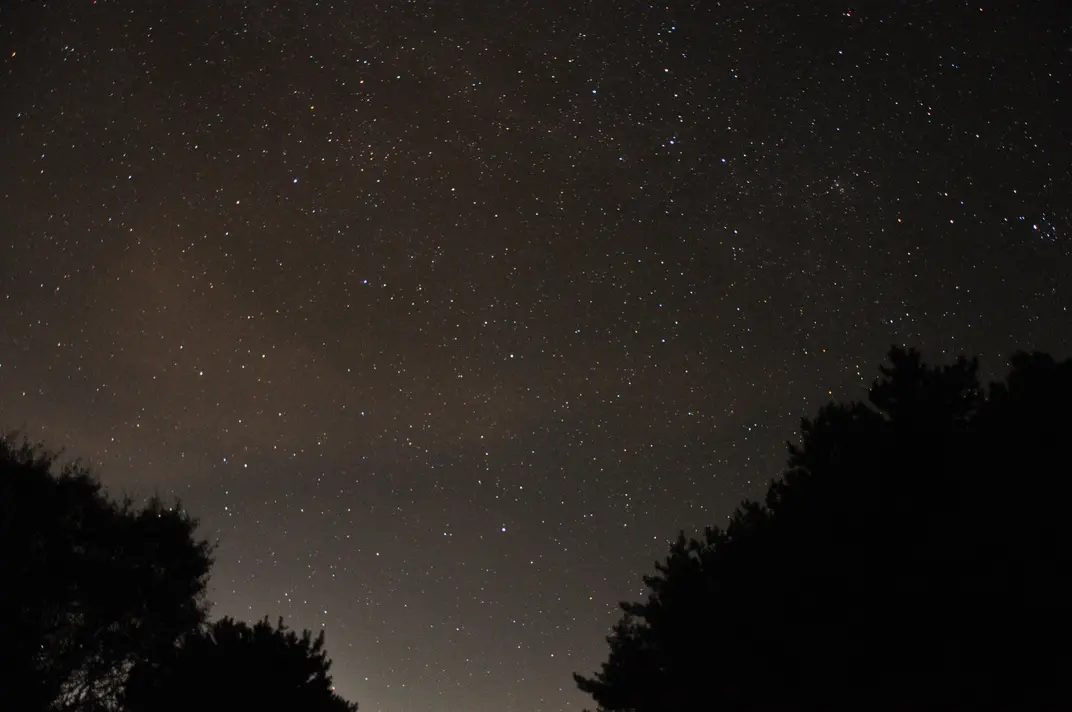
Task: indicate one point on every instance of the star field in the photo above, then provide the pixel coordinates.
(445, 316)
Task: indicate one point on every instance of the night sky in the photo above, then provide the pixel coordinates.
(444, 316)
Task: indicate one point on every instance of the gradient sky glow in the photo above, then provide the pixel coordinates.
(445, 316)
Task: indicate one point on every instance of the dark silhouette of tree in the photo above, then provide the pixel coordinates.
(88, 586)
(102, 607)
(914, 555)
(230, 665)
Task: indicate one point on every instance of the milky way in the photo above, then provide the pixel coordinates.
(445, 316)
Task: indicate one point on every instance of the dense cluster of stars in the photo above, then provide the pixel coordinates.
(445, 316)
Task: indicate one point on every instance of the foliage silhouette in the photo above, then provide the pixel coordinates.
(232, 665)
(91, 586)
(102, 607)
(915, 554)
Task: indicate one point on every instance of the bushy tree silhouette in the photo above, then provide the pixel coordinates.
(231, 665)
(914, 555)
(90, 586)
(102, 608)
